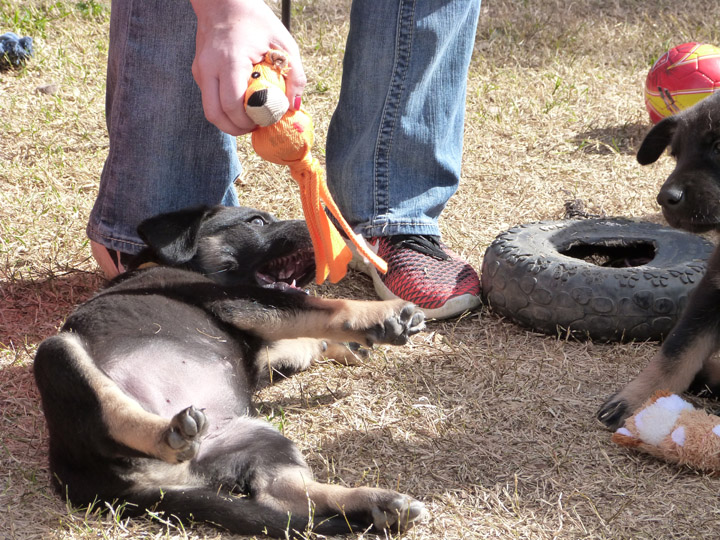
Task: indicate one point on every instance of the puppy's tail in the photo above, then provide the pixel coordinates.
(236, 514)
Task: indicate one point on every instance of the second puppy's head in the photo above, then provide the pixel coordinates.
(690, 197)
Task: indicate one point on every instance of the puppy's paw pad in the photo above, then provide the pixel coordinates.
(186, 429)
(398, 326)
(400, 513)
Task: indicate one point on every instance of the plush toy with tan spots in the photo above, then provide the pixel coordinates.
(670, 428)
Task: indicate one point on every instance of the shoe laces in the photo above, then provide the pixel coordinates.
(426, 244)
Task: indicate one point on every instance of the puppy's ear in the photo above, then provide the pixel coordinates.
(657, 139)
(173, 236)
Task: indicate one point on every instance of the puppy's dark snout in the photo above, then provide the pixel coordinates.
(670, 196)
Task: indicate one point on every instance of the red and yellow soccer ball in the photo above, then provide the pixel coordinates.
(680, 78)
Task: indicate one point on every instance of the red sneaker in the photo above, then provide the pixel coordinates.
(422, 270)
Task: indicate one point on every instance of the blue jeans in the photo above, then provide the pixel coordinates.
(164, 155)
(394, 144)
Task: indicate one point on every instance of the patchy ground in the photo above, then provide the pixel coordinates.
(490, 424)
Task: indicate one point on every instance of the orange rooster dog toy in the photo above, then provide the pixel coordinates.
(285, 137)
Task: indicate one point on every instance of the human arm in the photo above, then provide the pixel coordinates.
(233, 35)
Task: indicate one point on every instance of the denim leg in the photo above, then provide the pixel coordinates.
(164, 155)
(394, 144)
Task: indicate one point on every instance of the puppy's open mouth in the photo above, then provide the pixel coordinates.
(289, 272)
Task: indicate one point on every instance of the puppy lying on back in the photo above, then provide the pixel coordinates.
(690, 199)
(147, 388)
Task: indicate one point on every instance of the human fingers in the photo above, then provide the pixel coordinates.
(215, 111)
(295, 81)
(233, 82)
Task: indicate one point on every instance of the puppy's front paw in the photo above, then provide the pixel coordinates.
(614, 411)
(186, 429)
(398, 326)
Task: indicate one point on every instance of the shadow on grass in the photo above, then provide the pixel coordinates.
(34, 309)
(623, 140)
(30, 311)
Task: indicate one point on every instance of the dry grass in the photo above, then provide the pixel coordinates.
(491, 425)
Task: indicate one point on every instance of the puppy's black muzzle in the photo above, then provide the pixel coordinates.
(671, 198)
(690, 201)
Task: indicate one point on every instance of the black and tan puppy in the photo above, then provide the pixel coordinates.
(690, 199)
(147, 388)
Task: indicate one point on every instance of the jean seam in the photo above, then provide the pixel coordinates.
(405, 24)
(113, 241)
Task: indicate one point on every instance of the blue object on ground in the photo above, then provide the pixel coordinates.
(14, 50)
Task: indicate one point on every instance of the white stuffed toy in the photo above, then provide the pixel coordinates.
(670, 428)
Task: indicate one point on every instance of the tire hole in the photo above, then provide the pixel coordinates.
(612, 256)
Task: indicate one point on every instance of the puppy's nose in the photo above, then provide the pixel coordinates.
(670, 196)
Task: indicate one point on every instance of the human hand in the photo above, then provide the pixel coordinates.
(233, 35)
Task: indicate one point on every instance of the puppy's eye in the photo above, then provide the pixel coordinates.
(257, 221)
(255, 75)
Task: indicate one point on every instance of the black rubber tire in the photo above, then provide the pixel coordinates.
(528, 277)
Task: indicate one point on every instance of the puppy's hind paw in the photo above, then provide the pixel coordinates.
(186, 429)
(347, 354)
(398, 514)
